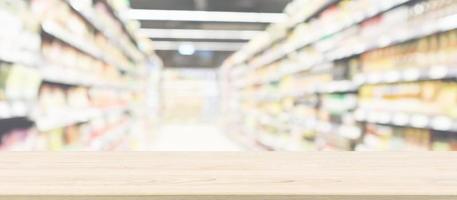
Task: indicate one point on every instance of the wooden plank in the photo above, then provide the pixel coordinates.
(224, 175)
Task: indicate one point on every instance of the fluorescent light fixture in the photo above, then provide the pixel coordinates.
(186, 49)
(199, 34)
(198, 46)
(205, 16)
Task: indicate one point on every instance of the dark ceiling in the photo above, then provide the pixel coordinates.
(204, 58)
(271, 6)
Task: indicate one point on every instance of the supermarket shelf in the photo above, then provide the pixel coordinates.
(121, 21)
(445, 24)
(273, 56)
(277, 96)
(394, 76)
(71, 77)
(243, 83)
(14, 109)
(296, 68)
(100, 142)
(266, 48)
(315, 13)
(290, 26)
(336, 87)
(253, 138)
(280, 126)
(79, 43)
(29, 108)
(346, 131)
(283, 142)
(88, 15)
(117, 138)
(71, 117)
(325, 88)
(408, 75)
(284, 86)
(305, 123)
(406, 119)
(11, 56)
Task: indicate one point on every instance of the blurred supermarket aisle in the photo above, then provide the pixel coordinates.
(299, 75)
(192, 137)
(189, 95)
(190, 113)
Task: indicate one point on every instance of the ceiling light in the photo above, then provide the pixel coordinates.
(206, 16)
(198, 46)
(186, 49)
(199, 34)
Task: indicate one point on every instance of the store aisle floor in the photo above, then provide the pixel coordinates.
(192, 137)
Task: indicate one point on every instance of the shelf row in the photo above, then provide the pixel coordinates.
(348, 86)
(274, 55)
(73, 77)
(388, 38)
(13, 109)
(375, 111)
(408, 75)
(60, 75)
(80, 44)
(49, 121)
(92, 135)
(111, 139)
(89, 15)
(64, 118)
(412, 74)
(285, 131)
(406, 34)
(416, 120)
(304, 123)
(301, 15)
(392, 76)
(305, 13)
(343, 86)
(22, 57)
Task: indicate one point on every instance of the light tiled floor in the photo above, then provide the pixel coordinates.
(192, 137)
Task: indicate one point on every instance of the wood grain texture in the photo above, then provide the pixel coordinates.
(234, 175)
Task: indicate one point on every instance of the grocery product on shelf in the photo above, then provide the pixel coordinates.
(427, 97)
(351, 69)
(381, 137)
(18, 37)
(80, 136)
(18, 82)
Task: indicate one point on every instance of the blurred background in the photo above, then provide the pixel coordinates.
(218, 75)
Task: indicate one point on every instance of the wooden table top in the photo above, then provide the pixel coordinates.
(229, 175)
